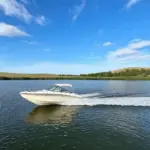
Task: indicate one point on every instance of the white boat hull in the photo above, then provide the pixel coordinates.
(48, 99)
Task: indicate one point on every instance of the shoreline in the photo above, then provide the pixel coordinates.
(74, 78)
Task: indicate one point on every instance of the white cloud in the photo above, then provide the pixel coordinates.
(30, 42)
(135, 40)
(41, 20)
(140, 44)
(132, 52)
(107, 43)
(15, 8)
(77, 10)
(131, 3)
(136, 57)
(122, 52)
(10, 30)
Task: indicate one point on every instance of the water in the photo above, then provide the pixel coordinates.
(113, 115)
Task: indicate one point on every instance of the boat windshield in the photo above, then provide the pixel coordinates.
(59, 89)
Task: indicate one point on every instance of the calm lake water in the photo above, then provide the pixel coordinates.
(96, 123)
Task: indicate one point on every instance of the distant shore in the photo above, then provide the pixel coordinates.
(122, 74)
(70, 78)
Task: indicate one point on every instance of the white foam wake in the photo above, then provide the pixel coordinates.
(90, 95)
(119, 101)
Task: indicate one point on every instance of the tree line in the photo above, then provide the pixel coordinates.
(127, 72)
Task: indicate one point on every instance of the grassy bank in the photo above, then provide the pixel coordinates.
(13, 76)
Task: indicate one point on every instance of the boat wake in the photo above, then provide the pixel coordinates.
(93, 100)
(90, 95)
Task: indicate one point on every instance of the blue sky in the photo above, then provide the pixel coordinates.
(73, 36)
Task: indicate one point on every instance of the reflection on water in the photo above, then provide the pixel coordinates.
(52, 114)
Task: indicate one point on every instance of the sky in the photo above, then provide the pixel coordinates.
(73, 36)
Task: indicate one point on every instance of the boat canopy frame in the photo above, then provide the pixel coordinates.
(59, 88)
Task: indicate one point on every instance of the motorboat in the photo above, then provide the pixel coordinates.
(58, 94)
